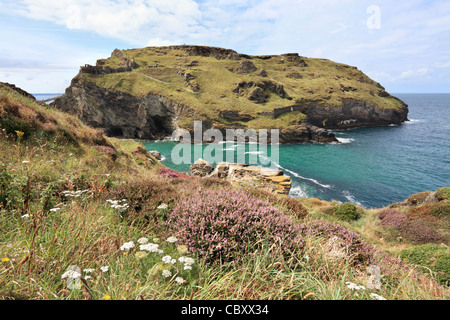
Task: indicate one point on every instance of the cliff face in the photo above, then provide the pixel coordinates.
(147, 93)
(120, 114)
(354, 113)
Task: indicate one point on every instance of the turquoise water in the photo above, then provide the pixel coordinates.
(372, 167)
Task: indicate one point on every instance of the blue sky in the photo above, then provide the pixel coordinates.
(404, 45)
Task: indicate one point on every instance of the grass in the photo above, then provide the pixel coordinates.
(54, 216)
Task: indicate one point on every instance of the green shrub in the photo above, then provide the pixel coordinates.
(12, 124)
(441, 210)
(432, 256)
(443, 194)
(346, 211)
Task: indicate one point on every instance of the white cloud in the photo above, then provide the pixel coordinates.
(412, 74)
(133, 20)
(412, 43)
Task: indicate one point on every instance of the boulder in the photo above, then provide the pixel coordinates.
(200, 168)
(272, 180)
(155, 154)
(245, 67)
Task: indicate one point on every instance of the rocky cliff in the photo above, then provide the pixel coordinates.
(147, 93)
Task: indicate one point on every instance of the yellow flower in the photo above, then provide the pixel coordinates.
(107, 297)
(125, 253)
(5, 259)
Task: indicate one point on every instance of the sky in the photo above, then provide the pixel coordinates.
(404, 45)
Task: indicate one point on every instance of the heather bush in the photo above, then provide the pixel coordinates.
(386, 212)
(359, 251)
(415, 230)
(396, 220)
(421, 232)
(432, 256)
(110, 151)
(225, 225)
(143, 198)
(171, 174)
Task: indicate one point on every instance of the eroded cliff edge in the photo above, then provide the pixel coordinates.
(147, 93)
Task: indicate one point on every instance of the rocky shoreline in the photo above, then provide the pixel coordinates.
(272, 180)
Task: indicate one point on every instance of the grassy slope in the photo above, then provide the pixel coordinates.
(38, 244)
(320, 81)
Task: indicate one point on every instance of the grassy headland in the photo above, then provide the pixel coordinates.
(72, 199)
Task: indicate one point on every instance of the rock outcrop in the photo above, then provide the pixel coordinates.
(305, 133)
(120, 114)
(354, 113)
(200, 168)
(272, 180)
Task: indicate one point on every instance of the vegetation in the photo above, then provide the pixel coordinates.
(83, 216)
(209, 85)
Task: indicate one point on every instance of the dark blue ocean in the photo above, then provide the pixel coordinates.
(373, 166)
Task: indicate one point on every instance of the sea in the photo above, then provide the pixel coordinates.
(371, 166)
(43, 96)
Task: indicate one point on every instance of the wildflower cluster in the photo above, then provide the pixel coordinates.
(119, 205)
(75, 194)
(145, 198)
(355, 287)
(226, 224)
(149, 254)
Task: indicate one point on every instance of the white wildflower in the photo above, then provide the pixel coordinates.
(71, 274)
(150, 247)
(166, 273)
(354, 286)
(104, 268)
(189, 260)
(25, 216)
(162, 206)
(127, 246)
(179, 280)
(87, 277)
(187, 267)
(25, 162)
(377, 297)
(306, 257)
(168, 259)
(55, 209)
(88, 270)
(172, 239)
(142, 240)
